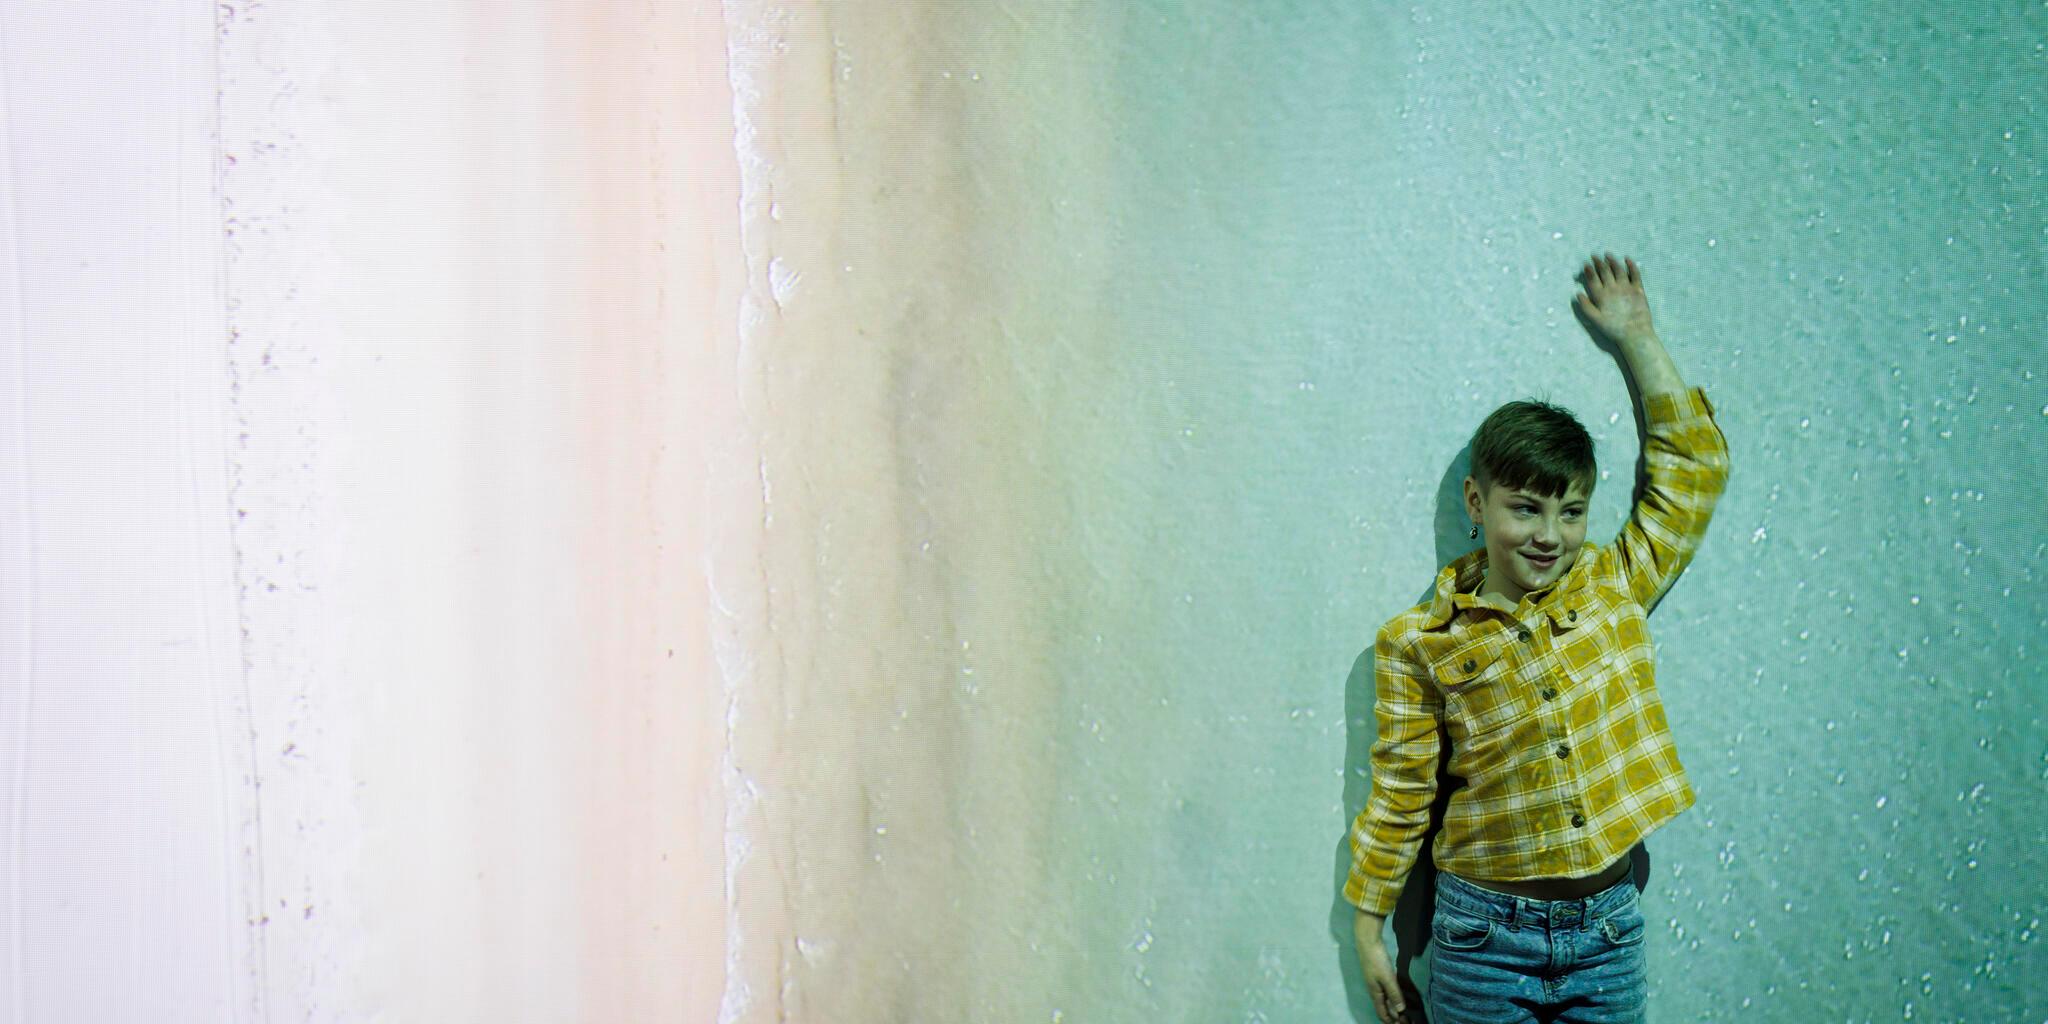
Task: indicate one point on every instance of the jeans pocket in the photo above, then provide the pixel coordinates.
(1459, 930)
(1624, 927)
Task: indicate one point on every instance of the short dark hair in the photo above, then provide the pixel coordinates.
(1535, 446)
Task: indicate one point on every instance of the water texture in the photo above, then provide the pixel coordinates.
(860, 511)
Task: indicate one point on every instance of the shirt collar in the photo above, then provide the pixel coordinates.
(1457, 585)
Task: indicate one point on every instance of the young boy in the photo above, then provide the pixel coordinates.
(1533, 662)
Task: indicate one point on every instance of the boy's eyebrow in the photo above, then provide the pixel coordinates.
(1532, 496)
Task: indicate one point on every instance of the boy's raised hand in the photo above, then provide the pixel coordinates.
(1613, 300)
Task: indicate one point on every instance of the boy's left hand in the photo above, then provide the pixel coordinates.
(1614, 301)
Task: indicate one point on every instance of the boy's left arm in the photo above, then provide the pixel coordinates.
(1686, 458)
(1683, 448)
(1650, 365)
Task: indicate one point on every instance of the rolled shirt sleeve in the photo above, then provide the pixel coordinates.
(1387, 835)
(1685, 458)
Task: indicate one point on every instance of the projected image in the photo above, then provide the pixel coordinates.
(845, 511)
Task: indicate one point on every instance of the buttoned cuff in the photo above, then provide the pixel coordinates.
(1371, 894)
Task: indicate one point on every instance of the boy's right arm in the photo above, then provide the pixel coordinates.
(1382, 983)
(1387, 835)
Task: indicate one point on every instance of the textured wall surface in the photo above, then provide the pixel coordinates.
(861, 511)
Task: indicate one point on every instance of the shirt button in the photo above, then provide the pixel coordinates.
(1573, 615)
(1523, 634)
(1562, 750)
(1578, 821)
(1469, 663)
(1549, 692)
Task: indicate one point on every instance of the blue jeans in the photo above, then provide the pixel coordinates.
(1504, 959)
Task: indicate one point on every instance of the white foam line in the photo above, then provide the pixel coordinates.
(750, 42)
(22, 528)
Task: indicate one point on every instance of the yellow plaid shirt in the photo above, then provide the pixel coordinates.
(1550, 707)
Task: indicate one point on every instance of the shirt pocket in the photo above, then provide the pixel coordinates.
(1481, 694)
(1594, 609)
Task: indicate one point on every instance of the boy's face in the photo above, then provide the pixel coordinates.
(1521, 527)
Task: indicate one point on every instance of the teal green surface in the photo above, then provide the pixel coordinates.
(1281, 259)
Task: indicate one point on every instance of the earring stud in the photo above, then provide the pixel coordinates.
(1475, 531)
